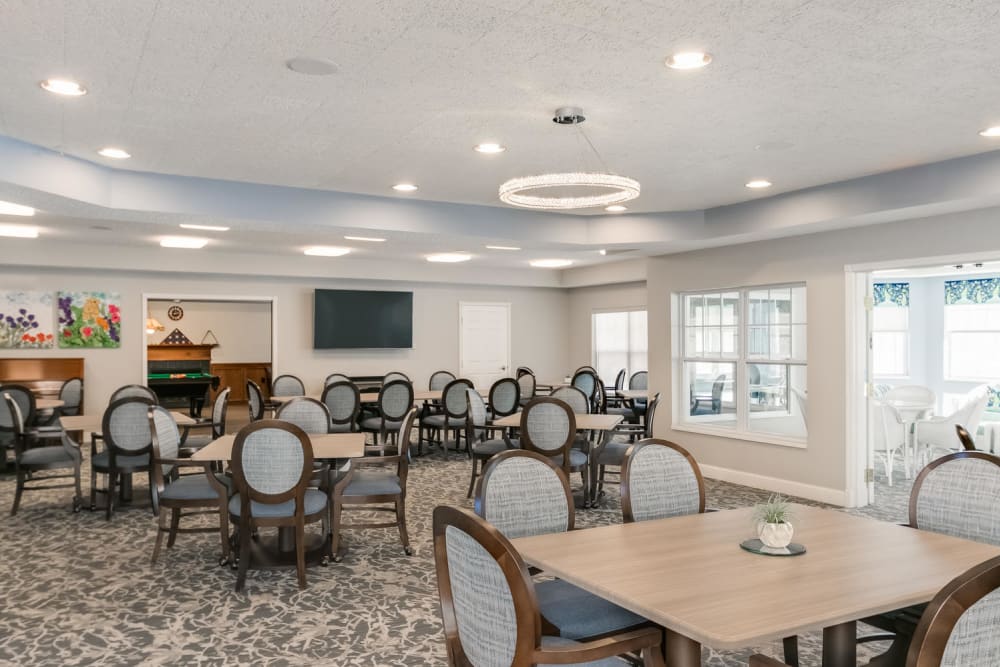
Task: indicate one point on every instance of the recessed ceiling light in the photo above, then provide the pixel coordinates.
(10, 208)
(551, 263)
(405, 187)
(188, 242)
(603, 251)
(369, 239)
(19, 231)
(758, 183)
(311, 66)
(63, 87)
(207, 228)
(326, 251)
(991, 131)
(449, 257)
(688, 60)
(502, 247)
(615, 208)
(490, 148)
(115, 153)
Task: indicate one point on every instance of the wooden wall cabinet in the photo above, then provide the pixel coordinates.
(235, 377)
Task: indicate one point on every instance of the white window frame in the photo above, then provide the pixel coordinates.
(741, 361)
(628, 353)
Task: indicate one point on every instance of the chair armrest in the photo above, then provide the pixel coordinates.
(608, 647)
(759, 660)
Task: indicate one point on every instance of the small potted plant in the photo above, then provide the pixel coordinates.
(773, 519)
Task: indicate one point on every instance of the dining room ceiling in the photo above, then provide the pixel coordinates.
(799, 92)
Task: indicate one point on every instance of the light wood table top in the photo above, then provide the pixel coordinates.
(584, 422)
(635, 394)
(689, 574)
(93, 423)
(371, 397)
(49, 403)
(325, 446)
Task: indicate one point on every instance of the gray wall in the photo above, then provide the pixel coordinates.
(583, 301)
(243, 328)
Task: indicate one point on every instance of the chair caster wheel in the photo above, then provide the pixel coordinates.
(408, 551)
(223, 561)
(93, 508)
(324, 561)
(338, 558)
(77, 505)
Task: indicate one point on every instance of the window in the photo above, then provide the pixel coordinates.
(891, 330)
(619, 342)
(972, 329)
(743, 367)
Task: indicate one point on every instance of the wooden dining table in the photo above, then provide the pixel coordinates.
(49, 403)
(325, 446)
(635, 394)
(371, 397)
(689, 575)
(94, 424)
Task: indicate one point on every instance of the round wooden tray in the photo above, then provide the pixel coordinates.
(757, 547)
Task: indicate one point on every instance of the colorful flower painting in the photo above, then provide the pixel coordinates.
(26, 320)
(89, 319)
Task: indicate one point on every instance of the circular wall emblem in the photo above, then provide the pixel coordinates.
(175, 313)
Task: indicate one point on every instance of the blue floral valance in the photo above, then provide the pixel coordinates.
(982, 290)
(891, 294)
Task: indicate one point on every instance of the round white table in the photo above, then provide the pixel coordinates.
(911, 412)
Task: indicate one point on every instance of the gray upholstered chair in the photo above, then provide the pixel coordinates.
(395, 399)
(958, 495)
(173, 494)
(134, 391)
(526, 382)
(439, 380)
(393, 376)
(206, 430)
(32, 464)
(258, 406)
(335, 377)
(376, 481)
(505, 398)
(127, 450)
(638, 381)
(612, 398)
(612, 452)
(478, 434)
(272, 464)
(490, 605)
(452, 420)
(575, 397)
(548, 426)
(660, 479)
(26, 404)
(307, 413)
(585, 379)
(343, 400)
(71, 394)
(287, 385)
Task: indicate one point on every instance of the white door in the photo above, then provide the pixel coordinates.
(484, 342)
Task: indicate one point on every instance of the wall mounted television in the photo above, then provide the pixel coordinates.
(345, 319)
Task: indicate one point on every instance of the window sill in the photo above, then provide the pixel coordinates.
(747, 436)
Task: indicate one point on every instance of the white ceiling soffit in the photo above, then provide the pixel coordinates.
(801, 92)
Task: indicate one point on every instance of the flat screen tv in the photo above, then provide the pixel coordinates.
(362, 319)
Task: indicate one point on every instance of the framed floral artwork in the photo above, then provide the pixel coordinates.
(89, 319)
(26, 320)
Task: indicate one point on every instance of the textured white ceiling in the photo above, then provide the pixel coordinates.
(200, 88)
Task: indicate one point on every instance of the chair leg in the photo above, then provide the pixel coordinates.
(241, 574)
(112, 482)
(175, 522)
(300, 551)
(93, 489)
(401, 522)
(472, 480)
(335, 531)
(78, 499)
(18, 492)
(224, 532)
(161, 527)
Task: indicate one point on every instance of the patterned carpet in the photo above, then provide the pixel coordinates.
(79, 590)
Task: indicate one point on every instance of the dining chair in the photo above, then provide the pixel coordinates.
(505, 398)
(489, 605)
(32, 464)
(395, 399)
(889, 433)
(374, 483)
(586, 369)
(638, 381)
(343, 400)
(937, 434)
(439, 380)
(134, 391)
(25, 401)
(215, 425)
(612, 452)
(576, 398)
(393, 376)
(585, 379)
(71, 394)
(335, 377)
(548, 426)
(127, 448)
(455, 407)
(256, 404)
(612, 398)
(478, 434)
(307, 413)
(714, 398)
(177, 496)
(960, 627)
(660, 479)
(523, 370)
(914, 395)
(287, 385)
(526, 383)
(272, 464)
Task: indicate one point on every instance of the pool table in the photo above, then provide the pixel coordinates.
(174, 387)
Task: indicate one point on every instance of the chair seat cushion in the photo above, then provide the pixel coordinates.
(624, 412)
(46, 456)
(438, 421)
(102, 460)
(576, 458)
(614, 453)
(375, 423)
(373, 483)
(563, 642)
(314, 501)
(579, 614)
(190, 487)
(489, 447)
(341, 428)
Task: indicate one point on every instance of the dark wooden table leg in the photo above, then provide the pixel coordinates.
(679, 651)
(286, 539)
(126, 488)
(840, 645)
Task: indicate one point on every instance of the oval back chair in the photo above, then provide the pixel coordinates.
(343, 400)
(660, 479)
(307, 413)
(287, 385)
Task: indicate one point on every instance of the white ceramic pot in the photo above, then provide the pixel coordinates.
(775, 535)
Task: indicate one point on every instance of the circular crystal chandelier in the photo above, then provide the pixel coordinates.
(537, 191)
(609, 189)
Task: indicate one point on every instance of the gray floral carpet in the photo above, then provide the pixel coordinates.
(78, 590)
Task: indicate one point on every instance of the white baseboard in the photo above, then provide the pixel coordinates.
(818, 493)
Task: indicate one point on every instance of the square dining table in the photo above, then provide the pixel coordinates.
(325, 446)
(689, 575)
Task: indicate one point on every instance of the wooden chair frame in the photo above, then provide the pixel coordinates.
(113, 471)
(627, 516)
(218, 428)
(302, 384)
(449, 417)
(144, 389)
(528, 648)
(498, 459)
(517, 398)
(353, 419)
(471, 438)
(265, 405)
(643, 431)
(919, 481)
(528, 444)
(382, 434)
